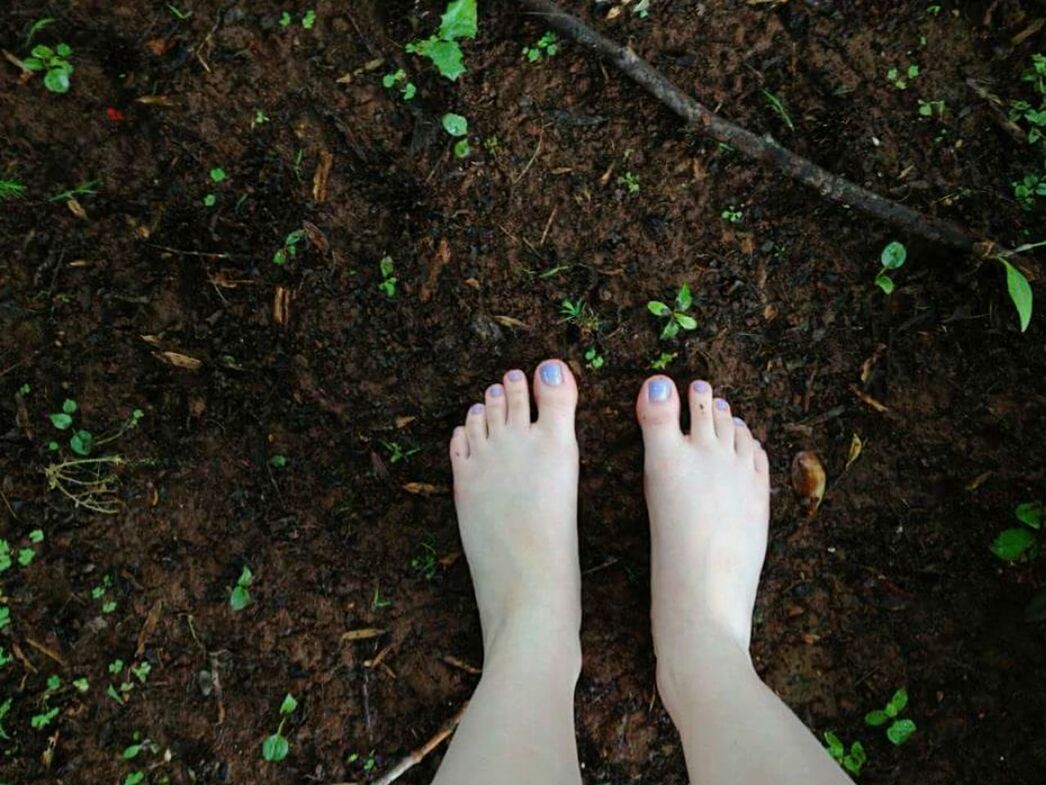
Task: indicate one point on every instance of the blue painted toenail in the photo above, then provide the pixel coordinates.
(496, 390)
(659, 390)
(515, 376)
(477, 408)
(552, 374)
(701, 387)
(721, 405)
(739, 422)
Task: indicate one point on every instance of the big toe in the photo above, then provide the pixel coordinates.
(555, 391)
(657, 409)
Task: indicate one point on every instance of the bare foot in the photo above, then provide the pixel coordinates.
(708, 494)
(515, 488)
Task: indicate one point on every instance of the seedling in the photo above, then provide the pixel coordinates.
(258, 118)
(899, 730)
(11, 189)
(892, 257)
(285, 19)
(101, 592)
(278, 461)
(630, 182)
(663, 360)
(290, 247)
(308, 20)
(388, 280)
(593, 359)
(42, 720)
(217, 175)
(546, 46)
(677, 317)
(853, 761)
(55, 65)
(779, 108)
(178, 14)
(929, 108)
(425, 562)
(458, 127)
(240, 597)
(398, 80)
(397, 453)
(5, 707)
(732, 215)
(37, 26)
(900, 80)
(379, 601)
(1021, 542)
(276, 746)
(84, 189)
(458, 22)
(578, 312)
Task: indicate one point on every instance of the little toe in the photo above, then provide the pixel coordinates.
(657, 409)
(762, 462)
(556, 394)
(518, 398)
(497, 409)
(744, 442)
(476, 427)
(724, 422)
(702, 429)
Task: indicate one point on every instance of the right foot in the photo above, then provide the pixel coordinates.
(708, 495)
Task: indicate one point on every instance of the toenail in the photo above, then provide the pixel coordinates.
(515, 376)
(739, 422)
(721, 404)
(701, 387)
(496, 390)
(552, 374)
(477, 408)
(659, 389)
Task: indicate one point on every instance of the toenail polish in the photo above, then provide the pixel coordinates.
(496, 390)
(477, 408)
(701, 387)
(739, 422)
(515, 376)
(552, 374)
(659, 389)
(721, 404)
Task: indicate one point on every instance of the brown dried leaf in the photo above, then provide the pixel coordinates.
(510, 321)
(322, 173)
(157, 100)
(281, 305)
(869, 400)
(76, 208)
(317, 238)
(151, 620)
(180, 360)
(362, 634)
(856, 445)
(404, 421)
(808, 480)
(424, 488)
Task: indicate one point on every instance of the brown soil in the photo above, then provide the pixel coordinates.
(891, 584)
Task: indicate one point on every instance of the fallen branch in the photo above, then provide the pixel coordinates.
(422, 752)
(704, 120)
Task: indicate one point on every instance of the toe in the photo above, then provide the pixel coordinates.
(459, 447)
(744, 442)
(476, 427)
(658, 411)
(518, 399)
(496, 408)
(702, 430)
(724, 422)
(762, 463)
(556, 394)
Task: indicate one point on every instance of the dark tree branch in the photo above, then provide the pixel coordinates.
(705, 121)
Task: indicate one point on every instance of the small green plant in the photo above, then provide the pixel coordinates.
(177, 13)
(899, 729)
(217, 175)
(732, 215)
(458, 22)
(546, 46)
(388, 279)
(630, 182)
(290, 247)
(83, 189)
(1020, 542)
(398, 453)
(578, 312)
(892, 257)
(899, 79)
(677, 317)
(593, 359)
(425, 562)
(398, 80)
(240, 597)
(458, 127)
(779, 108)
(43, 719)
(278, 461)
(276, 746)
(663, 360)
(380, 601)
(258, 118)
(285, 19)
(853, 761)
(930, 108)
(11, 189)
(308, 20)
(55, 65)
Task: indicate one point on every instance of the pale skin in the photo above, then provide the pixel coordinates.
(708, 496)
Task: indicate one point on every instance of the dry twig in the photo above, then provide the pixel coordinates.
(422, 752)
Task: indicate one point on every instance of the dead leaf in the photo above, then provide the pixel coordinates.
(180, 360)
(156, 100)
(157, 46)
(76, 208)
(322, 173)
(869, 400)
(808, 480)
(869, 364)
(151, 620)
(454, 662)
(317, 238)
(856, 446)
(424, 488)
(510, 321)
(152, 340)
(362, 634)
(1028, 32)
(404, 421)
(978, 481)
(605, 178)
(281, 305)
(439, 261)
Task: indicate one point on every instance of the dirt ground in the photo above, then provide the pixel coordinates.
(139, 296)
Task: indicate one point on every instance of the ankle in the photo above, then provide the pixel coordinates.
(534, 642)
(700, 664)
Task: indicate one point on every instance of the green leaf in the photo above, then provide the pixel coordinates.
(81, 443)
(1031, 514)
(897, 702)
(671, 330)
(658, 308)
(246, 577)
(57, 80)
(900, 732)
(1020, 293)
(894, 255)
(459, 21)
(834, 745)
(445, 55)
(36, 535)
(386, 266)
(131, 752)
(218, 174)
(240, 598)
(462, 149)
(69, 406)
(43, 52)
(289, 704)
(64, 50)
(61, 421)
(210, 200)
(884, 282)
(684, 299)
(876, 718)
(686, 322)
(275, 748)
(858, 754)
(280, 257)
(26, 556)
(455, 124)
(33, 64)
(134, 777)
(1011, 544)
